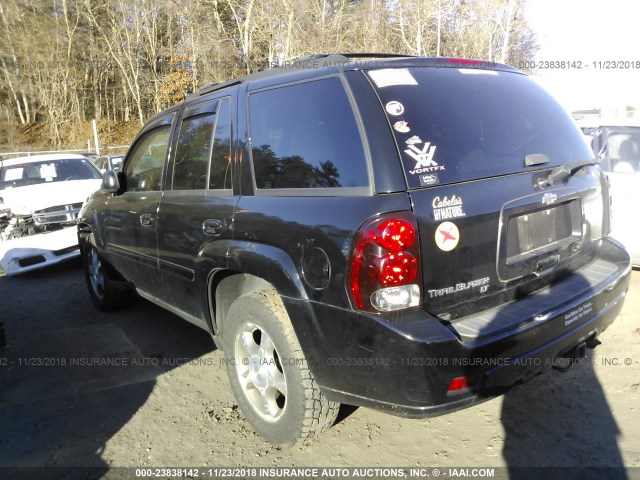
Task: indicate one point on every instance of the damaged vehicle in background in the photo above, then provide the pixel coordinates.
(616, 144)
(40, 197)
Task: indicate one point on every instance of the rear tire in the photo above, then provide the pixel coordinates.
(106, 293)
(269, 374)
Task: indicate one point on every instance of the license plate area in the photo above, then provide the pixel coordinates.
(535, 237)
(548, 229)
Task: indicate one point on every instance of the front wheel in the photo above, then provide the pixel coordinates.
(106, 293)
(269, 374)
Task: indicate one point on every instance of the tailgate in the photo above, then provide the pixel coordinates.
(485, 242)
(476, 145)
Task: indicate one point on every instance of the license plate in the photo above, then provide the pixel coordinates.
(540, 231)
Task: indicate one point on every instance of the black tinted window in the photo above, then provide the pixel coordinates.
(306, 136)
(145, 161)
(220, 172)
(192, 153)
(459, 124)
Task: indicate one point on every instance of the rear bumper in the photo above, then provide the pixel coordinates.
(403, 364)
(37, 251)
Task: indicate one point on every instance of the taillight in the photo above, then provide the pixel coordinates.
(384, 268)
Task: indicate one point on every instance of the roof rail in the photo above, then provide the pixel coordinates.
(217, 86)
(317, 56)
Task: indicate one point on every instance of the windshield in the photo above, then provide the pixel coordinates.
(453, 124)
(33, 173)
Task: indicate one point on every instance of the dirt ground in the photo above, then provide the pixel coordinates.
(158, 409)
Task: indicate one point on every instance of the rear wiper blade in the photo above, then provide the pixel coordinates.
(564, 171)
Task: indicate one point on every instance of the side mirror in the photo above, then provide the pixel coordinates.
(110, 183)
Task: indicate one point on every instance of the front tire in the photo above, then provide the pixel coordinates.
(269, 374)
(106, 293)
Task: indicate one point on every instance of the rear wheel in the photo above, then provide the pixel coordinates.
(269, 374)
(106, 293)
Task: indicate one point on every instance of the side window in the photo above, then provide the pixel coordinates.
(220, 173)
(306, 136)
(144, 164)
(193, 152)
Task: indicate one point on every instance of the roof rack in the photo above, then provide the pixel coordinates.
(216, 86)
(337, 59)
(317, 56)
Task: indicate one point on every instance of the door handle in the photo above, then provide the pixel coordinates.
(212, 227)
(146, 219)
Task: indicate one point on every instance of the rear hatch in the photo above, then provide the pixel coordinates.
(478, 147)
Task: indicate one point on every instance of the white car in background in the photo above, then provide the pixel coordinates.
(617, 146)
(40, 197)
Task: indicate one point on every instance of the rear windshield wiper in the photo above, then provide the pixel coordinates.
(564, 171)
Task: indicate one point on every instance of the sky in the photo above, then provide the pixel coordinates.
(588, 31)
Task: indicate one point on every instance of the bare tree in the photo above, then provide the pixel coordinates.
(127, 59)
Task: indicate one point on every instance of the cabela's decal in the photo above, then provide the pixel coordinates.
(401, 126)
(482, 283)
(424, 158)
(447, 207)
(394, 108)
(447, 236)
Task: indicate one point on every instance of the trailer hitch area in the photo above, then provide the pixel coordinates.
(566, 360)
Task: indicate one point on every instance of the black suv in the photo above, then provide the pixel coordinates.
(407, 234)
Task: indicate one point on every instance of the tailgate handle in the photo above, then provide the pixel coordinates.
(212, 227)
(548, 262)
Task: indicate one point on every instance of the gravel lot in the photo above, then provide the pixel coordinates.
(154, 407)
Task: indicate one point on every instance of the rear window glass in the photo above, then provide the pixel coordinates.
(453, 125)
(305, 136)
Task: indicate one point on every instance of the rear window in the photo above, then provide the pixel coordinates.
(453, 125)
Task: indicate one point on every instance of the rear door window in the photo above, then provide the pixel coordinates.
(220, 170)
(453, 125)
(193, 152)
(305, 136)
(203, 152)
